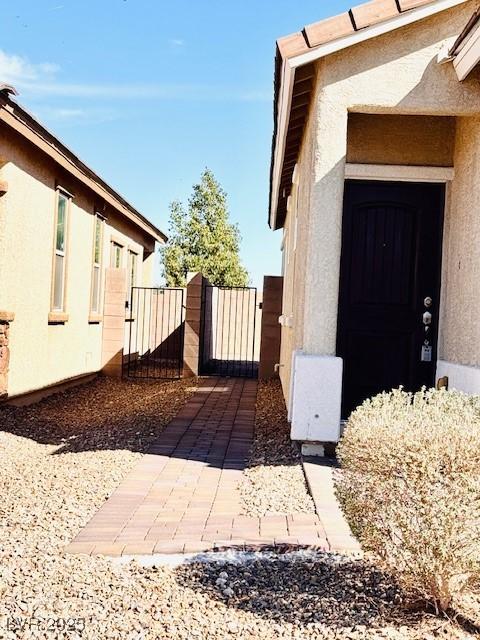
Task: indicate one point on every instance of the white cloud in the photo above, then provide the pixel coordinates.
(199, 92)
(74, 115)
(67, 114)
(41, 80)
(176, 42)
(17, 69)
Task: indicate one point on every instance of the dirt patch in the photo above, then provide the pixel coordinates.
(274, 481)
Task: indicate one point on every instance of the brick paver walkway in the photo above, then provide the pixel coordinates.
(183, 497)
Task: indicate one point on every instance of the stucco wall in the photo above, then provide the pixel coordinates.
(400, 139)
(295, 247)
(43, 354)
(394, 74)
(460, 310)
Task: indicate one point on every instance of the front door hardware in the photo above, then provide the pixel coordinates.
(426, 353)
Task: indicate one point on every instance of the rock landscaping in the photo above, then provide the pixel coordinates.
(274, 481)
(61, 458)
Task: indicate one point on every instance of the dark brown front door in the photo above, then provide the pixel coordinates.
(390, 268)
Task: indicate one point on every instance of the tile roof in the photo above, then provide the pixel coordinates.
(332, 33)
(359, 17)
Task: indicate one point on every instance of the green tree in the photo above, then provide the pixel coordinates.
(203, 239)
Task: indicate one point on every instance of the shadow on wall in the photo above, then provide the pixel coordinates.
(231, 331)
(164, 360)
(170, 346)
(154, 332)
(438, 80)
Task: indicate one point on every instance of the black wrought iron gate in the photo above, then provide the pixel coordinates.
(230, 324)
(155, 322)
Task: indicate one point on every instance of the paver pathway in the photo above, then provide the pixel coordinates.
(182, 496)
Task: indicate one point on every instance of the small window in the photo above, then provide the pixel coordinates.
(97, 264)
(116, 255)
(132, 269)
(132, 277)
(60, 257)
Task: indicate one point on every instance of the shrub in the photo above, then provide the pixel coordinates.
(410, 489)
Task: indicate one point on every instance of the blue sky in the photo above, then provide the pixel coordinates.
(149, 92)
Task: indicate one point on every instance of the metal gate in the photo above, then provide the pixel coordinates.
(229, 344)
(154, 339)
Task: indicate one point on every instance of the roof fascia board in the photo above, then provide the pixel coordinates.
(397, 22)
(8, 116)
(469, 55)
(285, 101)
(289, 65)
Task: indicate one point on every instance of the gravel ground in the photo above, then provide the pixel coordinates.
(274, 482)
(62, 458)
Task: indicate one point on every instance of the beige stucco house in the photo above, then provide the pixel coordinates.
(70, 248)
(375, 182)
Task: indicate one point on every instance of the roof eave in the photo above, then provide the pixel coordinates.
(293, 55)
(465, 52)
(16, 117)
(466, 33)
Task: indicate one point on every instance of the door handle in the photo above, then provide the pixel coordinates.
(426, 355)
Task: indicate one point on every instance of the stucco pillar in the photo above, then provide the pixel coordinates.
(114, 322)
(325, 229)
(148, 267)
(193, 313)
(6, 317)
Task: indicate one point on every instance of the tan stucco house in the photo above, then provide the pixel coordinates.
(70, 248)
(375, 182)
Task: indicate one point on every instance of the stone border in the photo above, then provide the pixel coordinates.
(319, 476)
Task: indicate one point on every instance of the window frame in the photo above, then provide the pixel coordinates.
(59, 311)
(132, 261)
(132, 279)
(114, 243)
(97, 266)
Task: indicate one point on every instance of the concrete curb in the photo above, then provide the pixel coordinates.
(319, 477)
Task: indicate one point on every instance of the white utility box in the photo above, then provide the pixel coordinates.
(316, 398)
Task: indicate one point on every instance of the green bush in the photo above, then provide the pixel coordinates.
(410, 489)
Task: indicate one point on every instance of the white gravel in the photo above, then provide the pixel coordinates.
(274, 482)
(51, 485)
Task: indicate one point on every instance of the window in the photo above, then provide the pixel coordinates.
(132, 279)
(132, 269)
(116, 255)
(97, 264)
(60, 257)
